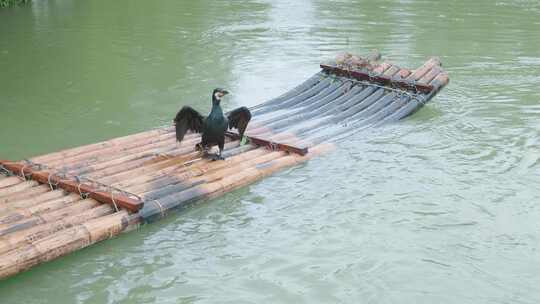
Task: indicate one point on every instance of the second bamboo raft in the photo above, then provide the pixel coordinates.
(60, 202)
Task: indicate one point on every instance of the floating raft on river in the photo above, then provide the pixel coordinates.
(54, 204)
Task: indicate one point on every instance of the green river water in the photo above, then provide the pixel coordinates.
(442, 207)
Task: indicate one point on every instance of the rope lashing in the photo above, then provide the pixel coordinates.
(5, 171)
(108, 188)
(51, 185)
(84, 195)
(114, 202)
(419, 97)
(160, 206)
(23, 176)
(272, 146)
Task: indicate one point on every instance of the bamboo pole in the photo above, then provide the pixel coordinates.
(53, 204)
(32, 201)
(422, 70)
(17, 188)
(34, 191)
(37, 219)
(10, 181)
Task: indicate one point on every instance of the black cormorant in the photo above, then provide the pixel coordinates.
(214, 126)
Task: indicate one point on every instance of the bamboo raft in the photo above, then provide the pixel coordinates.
(53, 204)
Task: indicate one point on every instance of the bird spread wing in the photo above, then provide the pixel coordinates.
(188, 119)
(239, 119)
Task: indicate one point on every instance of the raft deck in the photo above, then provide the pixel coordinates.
(53, 204)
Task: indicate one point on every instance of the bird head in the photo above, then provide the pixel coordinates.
(218, 94)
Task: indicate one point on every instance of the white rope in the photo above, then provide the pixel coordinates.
(50, 182)
(114, 202)
(22, 173)
(160, 206)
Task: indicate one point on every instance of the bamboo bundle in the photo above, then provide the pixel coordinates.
(29, 235)
(36, 206)
(275, 116)
(160, 177)
(173, 165)
(100, 145)
(141, 184)
(26, 222)
(62, 242)
(148, 169)
(38, 223)
(193, 178)
(93, 156)
(355, 105)
(309, 83)
(158, 208)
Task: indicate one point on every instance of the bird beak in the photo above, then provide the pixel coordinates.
(225, 92)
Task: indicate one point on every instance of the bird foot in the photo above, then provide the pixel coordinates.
(214, 157)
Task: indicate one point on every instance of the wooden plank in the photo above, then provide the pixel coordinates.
(270, 144)
(43, 177)
(380, 79)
